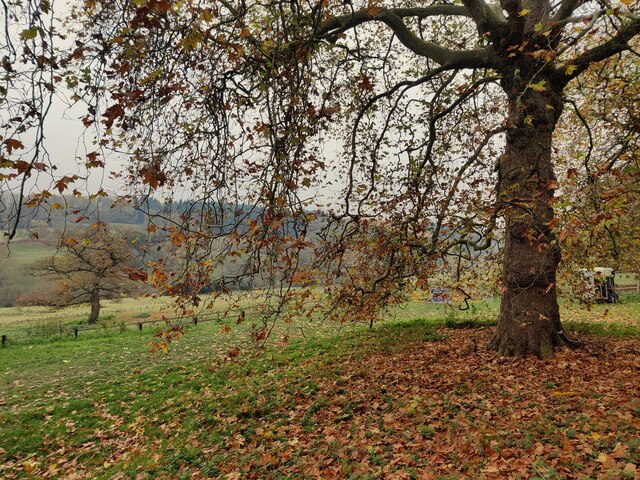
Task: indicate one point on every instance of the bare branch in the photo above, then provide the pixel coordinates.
(346, 22)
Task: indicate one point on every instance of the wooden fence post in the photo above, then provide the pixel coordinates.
(140, 326)
(195, 320)
(4, 340)
(75, 332)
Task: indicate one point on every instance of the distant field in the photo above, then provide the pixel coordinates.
(15, 278)
(625, 279)
(24, 253)
(21, 320)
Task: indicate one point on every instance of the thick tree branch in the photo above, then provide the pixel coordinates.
(346, 22)
(512, 7)
(478, 58)
(566, 9)
(581, 18)
(485, 17)
(617, 44)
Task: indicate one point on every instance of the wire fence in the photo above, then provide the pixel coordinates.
(76, 331)
(218, 316)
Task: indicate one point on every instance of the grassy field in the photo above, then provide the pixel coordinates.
(627, 279)
(37, 321)
(26, 321)
(416, 397)
(15, 279)
(26, 252)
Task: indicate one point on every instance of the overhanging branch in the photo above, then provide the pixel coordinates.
(393, 18)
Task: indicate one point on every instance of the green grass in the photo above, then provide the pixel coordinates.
(72, 390)
(34, 322)
(25, 252)
(104, 405)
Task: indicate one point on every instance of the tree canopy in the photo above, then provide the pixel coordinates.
(421, 131)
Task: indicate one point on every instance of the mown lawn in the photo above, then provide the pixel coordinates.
(416, 397)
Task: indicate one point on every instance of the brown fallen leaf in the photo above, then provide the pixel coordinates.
(619, 451)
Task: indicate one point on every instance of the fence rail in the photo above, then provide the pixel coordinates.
(629, 288)
(186, 320)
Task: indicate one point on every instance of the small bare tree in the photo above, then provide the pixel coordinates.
(90, 267)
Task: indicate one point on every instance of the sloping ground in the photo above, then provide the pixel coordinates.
(405, 401)
(442, 410)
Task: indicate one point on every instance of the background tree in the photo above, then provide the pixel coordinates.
(90, 267)
(399, 107)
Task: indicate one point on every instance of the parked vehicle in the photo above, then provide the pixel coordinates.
(602, 283)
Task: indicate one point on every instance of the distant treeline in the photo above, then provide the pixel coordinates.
(58, 212)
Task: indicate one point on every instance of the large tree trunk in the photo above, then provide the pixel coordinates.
(529, 321)
(95, 306)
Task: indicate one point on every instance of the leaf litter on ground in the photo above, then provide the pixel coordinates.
(403, 401)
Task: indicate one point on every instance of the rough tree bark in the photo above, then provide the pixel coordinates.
(529, 320)
(95, 306)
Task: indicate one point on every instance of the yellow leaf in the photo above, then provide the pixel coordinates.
(524, 12)
(538, 87)
(627, 2)
(155, 74)
(207, 16)
(191, 41)
(570, 69)
(29, 466)
(595, 436)
(528, 120)
(30, 33)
